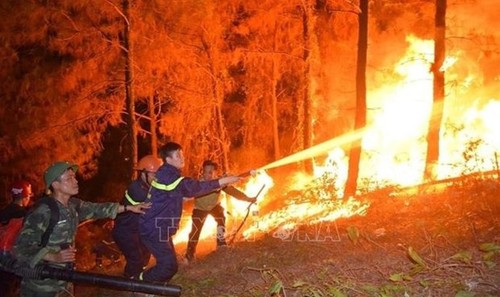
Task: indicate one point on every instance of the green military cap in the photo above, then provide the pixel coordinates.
(57, 169)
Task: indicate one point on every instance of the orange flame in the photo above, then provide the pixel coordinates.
(393, 145)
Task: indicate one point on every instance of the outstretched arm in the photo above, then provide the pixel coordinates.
(238, 194)
(139, 208)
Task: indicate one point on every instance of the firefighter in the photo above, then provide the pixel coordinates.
(126, 229)
(33, 247)
(160, 222)
(209, 204)
(11, 218)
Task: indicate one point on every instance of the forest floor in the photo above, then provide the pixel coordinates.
(440, 240)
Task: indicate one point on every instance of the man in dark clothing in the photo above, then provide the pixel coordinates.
(126, 229)
(209, 204)
(11, 218)
(160, 222)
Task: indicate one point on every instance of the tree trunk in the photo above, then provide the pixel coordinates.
(218, 97)
(307, 27)
(274, 98)
(222, 131)
(153, 125)
(360, 119)
(438, 94)
(129, 89)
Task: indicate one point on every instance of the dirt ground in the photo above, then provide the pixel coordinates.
(436, 240)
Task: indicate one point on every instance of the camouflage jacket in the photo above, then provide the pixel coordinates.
(27, 247)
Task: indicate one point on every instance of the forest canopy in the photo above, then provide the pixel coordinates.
(228, 80)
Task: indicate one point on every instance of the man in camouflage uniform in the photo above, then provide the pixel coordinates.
(60, 250)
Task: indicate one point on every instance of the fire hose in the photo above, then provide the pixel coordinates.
(10, 264)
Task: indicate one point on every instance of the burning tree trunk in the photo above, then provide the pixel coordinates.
(438, 100)
(129, 89)
(360, 120)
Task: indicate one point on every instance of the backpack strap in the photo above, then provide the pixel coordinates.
(54, 218)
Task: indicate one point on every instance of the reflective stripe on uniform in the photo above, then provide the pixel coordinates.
(169, 187)
(129, 199)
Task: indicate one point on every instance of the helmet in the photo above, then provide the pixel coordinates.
(56, 170)
(21, 189)
(149, 163)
